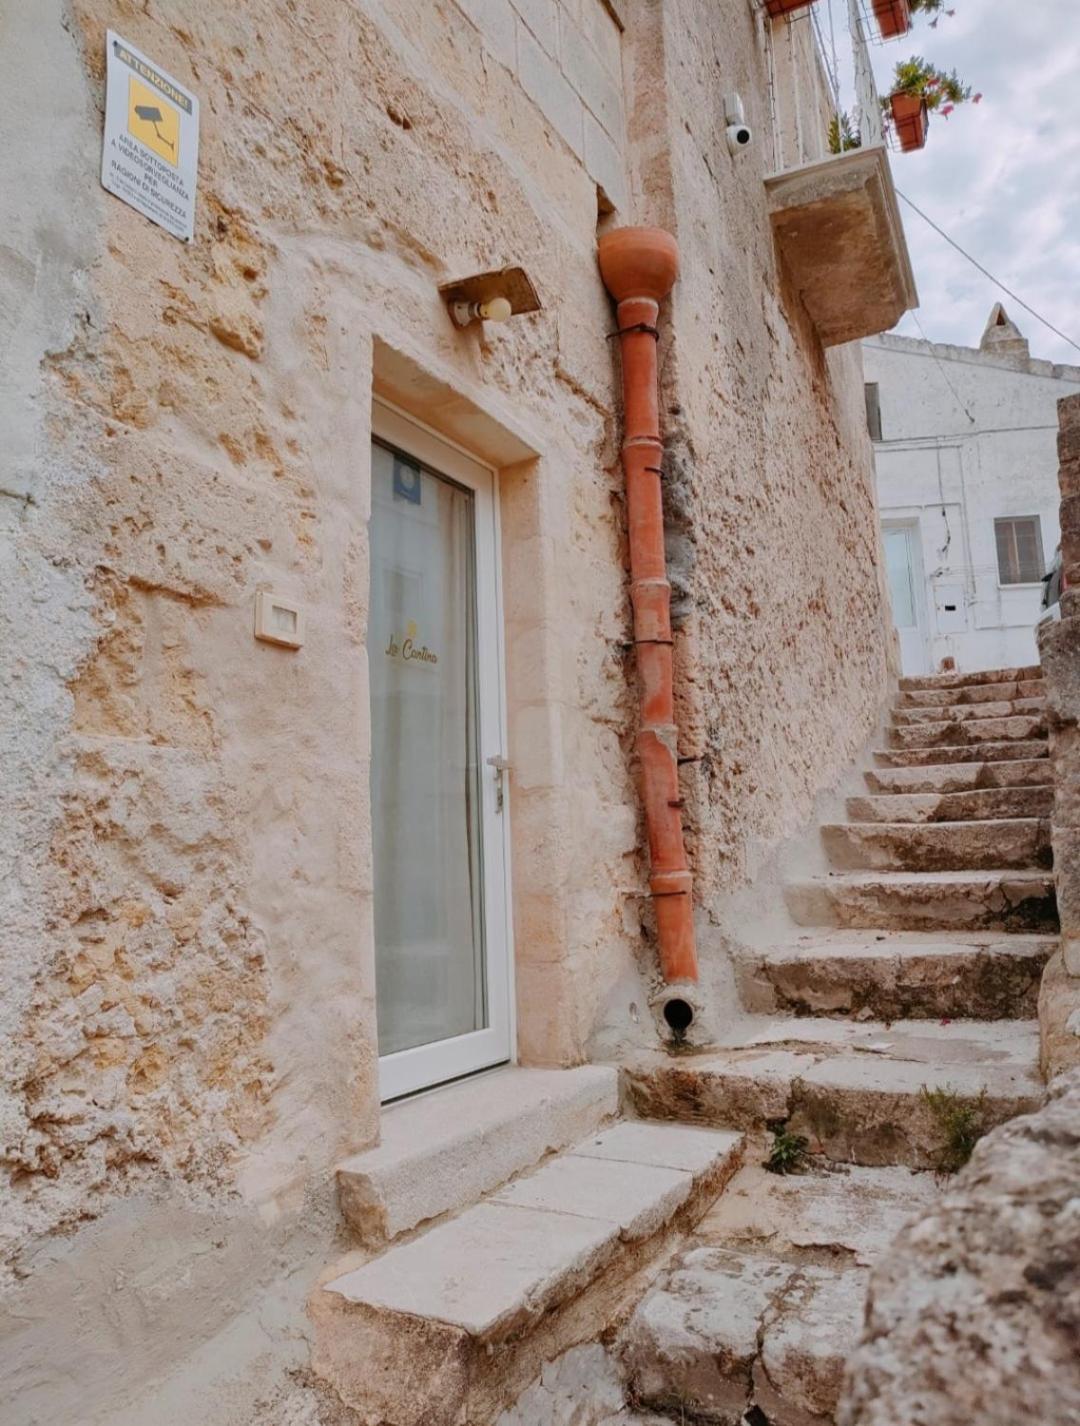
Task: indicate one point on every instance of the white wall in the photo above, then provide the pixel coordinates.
(967, 437)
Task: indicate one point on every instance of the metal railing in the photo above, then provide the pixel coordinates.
(820, 70)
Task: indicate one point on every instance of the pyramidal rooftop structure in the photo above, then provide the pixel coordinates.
(1002, 336)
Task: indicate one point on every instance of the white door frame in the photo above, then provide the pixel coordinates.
(912, 526)
(425, 1066)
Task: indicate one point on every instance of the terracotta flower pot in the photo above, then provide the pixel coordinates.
(638, 262)
(910, 120)
(778, 8)
(893, 18)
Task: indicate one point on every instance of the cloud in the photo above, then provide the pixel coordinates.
(1001, 177)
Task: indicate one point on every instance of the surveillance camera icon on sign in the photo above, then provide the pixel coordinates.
(150, 114)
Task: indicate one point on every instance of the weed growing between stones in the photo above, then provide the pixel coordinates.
(962, 1123)
(788, 1150)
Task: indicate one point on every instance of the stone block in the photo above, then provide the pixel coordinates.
(599, 89)
(1059, 1012)
(543, 81)
(605, 163)
(496, 23)
(692, 1344)
(542, 19)
(444, 1150)
(938, 846)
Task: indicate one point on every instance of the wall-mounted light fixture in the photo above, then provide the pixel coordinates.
(490, 296)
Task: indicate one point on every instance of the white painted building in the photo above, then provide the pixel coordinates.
(965, 445)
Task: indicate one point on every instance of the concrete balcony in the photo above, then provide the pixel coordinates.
(838, 228)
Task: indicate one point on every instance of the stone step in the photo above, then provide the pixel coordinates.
(897, 976)
(934, 756)
(973, 693)
(1022, 728)
(967, 712)
(766, 1306)
(962, 776)
(735, 1337)
(980, 804)
(1014, 901)
(971, 680)
(446, 1149)
(856, 1091)
(451, 1326)
(1006, 844)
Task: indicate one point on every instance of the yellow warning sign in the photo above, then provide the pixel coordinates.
(153, 121)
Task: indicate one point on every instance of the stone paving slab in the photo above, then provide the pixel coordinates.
(899, 975)
(975, 804)
(964, 776)
(442, 1151)
(844, 1213)
(1020, 728)
(1013, 901)
(971, 680)
(1012, 843)
(938, 754)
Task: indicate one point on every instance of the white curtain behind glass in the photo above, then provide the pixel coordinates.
(425, 781)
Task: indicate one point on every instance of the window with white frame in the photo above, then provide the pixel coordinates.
(1019, 549)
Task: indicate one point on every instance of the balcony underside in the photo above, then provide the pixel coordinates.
(838, 227)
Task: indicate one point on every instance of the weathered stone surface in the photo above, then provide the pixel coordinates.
(452, 1325)
(838, 225)
(970, 680)
(727, 1331)
(898, 975)
(441, 1152)
(934, 756)
(961, 776)
(1021, 728)
(939, 846)
(964, 712)
(838, 1213)
(806, 1343)
(924, 901)
(983, 804)
(583, 1387)
(1059, 1018)
(856, 1090)
(974, 1315)
(692, 1344)
(969, 694)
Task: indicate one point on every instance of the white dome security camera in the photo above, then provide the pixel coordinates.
(739, 137)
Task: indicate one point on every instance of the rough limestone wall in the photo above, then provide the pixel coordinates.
(774, 540)
(973, 1316)
(188, 986)
(1059, 649)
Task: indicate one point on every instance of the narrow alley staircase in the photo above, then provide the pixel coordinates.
(518, 1239)
(896, 1024)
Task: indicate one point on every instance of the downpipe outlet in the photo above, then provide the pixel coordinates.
(678, 1011)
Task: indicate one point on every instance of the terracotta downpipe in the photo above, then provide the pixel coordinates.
(639, 267)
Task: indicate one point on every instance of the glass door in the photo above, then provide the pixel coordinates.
(437, 803)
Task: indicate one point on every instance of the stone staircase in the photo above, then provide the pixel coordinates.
(525, 1254)
(898, 1018)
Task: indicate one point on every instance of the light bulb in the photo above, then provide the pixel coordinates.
(497, 310)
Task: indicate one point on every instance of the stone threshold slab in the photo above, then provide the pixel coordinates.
(444, 1150)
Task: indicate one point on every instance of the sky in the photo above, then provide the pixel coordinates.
(1001, 177)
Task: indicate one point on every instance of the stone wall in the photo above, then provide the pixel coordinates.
(1059, 648)
(973, 1316)
(188, 985)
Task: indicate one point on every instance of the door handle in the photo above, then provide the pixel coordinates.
(500, 767)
